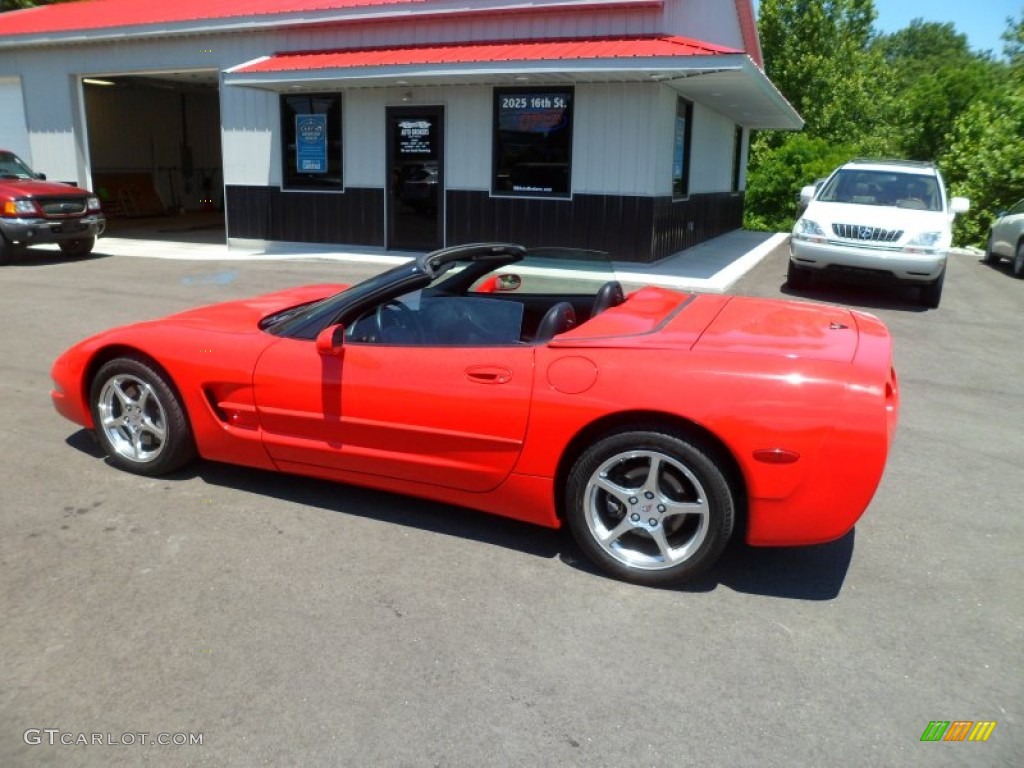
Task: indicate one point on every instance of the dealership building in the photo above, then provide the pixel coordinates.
(617, 125)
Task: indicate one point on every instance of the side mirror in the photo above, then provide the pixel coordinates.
(499, 284)
(959, 205)
(807, 193)
(41, 176)
(331, 340)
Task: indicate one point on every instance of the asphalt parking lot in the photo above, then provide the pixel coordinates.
(284, 621)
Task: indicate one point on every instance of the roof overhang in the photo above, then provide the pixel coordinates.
(725, 80)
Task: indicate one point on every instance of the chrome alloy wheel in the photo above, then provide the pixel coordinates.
(646, 510)
(132, 418)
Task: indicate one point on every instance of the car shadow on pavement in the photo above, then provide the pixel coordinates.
(382, 506)
(903, 298)
(798, 573)
(34, 257)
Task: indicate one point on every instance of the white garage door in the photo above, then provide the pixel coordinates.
(13, 128)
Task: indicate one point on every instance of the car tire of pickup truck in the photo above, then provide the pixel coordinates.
(6, 250)
(931, 294)
(81, 247)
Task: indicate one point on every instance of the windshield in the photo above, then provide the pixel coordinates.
(543, 272)
(888, 188)
(12, 167)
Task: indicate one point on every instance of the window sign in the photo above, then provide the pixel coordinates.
(415, 138)
(311, 143)
(311, 149)
(532, 142)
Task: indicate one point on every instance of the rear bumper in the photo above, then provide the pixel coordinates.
(34, 231)
(866, 261)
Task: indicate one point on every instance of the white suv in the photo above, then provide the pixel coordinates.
(887, 219)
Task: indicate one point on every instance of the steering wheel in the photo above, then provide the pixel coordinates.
(394, 316)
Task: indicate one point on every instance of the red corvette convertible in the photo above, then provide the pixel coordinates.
(655, 425)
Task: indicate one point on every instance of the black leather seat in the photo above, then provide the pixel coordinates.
(559, 319)
(608, 295)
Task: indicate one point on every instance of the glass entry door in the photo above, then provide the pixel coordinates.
(415, 145)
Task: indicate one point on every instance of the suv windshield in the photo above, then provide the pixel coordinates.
(888, 188)
(12, 167)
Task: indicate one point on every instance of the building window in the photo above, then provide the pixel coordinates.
(737, 157)
(311, 140)
(532, 142)
(681, 150)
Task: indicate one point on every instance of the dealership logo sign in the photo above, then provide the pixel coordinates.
(958, 730)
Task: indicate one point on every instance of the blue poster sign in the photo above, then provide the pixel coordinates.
(311, 143)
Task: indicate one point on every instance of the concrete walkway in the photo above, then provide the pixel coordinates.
(710, 267)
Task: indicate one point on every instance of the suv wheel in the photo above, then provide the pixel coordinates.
(990, 256)
(931, 294)
(1018, 261)
(796, 278)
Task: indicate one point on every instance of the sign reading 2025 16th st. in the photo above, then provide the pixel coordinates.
(311, 143)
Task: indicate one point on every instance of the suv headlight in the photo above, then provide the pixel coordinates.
(806, 229)
(19, 208)
(925, 242)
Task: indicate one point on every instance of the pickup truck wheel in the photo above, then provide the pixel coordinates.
(6, 250)
(80, 247)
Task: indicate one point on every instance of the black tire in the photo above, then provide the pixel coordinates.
(139, 419)
(796, 278)
(931, 294)
(81, 247)
(1018, 261)
(989, 257)
(656, 486)
(7, 250)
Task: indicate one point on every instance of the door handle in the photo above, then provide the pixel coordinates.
(489, 374)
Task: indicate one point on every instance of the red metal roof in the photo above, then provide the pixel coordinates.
(469, 53)
(105, 14)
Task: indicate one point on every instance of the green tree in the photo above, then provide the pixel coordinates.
(937, 76)
(771, 196)
(818, 53)
(985, 156)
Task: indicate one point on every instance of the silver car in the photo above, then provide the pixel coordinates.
(1006, 239)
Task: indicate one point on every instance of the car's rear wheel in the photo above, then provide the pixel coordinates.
(931, 294)
(650, 506)
(796, 278)
(80, 247)
(7, 250)
(1018, 261)
(139, 419)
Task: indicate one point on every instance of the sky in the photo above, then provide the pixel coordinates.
(983, 21)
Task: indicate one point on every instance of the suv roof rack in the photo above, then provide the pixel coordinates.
(893, 161)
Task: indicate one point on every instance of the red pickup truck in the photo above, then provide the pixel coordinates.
(34, 211)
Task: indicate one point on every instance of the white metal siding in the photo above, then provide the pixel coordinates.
(714, 21)
(711, 151)
(13, 130)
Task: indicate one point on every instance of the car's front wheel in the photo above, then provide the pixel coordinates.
(80, 247)
(650, 506)
(931, 294)
(139, 419)
(1018, 261)
(796, 278)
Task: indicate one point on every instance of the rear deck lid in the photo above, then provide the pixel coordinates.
(783, 328)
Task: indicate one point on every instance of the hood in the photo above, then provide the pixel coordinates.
(782, 328)
(243, 316)
(38, 188)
